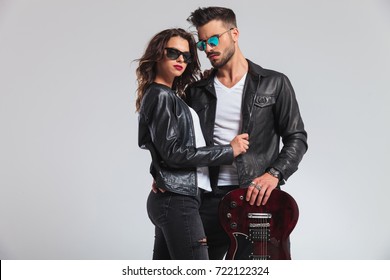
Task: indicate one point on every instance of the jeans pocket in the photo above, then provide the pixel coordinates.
(158, 205)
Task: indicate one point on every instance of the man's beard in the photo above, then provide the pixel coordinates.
(225, 59)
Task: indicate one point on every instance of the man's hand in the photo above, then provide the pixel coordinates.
(260, 189)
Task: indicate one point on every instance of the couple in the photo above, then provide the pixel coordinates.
(210, 136)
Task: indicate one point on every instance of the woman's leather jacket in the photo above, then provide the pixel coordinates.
(166, 130)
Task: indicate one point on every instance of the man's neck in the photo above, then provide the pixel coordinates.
(231, 73)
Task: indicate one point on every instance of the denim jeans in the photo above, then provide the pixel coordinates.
(179, 233)
(217, 239)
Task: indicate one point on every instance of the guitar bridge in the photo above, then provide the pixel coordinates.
(259, 215)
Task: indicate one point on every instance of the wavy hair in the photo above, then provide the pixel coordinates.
(146, 70)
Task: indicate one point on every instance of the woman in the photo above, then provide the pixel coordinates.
(170, 130)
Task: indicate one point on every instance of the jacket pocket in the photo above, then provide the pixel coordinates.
(264, 101)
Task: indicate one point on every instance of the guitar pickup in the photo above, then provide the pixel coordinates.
(259, 234)
(259, 225)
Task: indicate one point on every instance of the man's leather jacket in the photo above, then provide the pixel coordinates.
(269, 114)
(166, 129)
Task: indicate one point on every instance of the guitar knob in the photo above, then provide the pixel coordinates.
(233, 204)
(233, 225)
(228, 215)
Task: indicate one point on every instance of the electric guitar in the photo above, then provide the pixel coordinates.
(258, 232)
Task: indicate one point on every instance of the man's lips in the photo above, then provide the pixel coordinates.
(212, 55)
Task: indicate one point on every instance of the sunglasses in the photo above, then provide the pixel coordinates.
(213, 41)
(174, 54)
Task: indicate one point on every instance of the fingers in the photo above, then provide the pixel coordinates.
(156, 189)
(254, 194)
(240, 144)
(244, 136)
(265, 198)
(258, 195)
(244, 140)
(260, 189)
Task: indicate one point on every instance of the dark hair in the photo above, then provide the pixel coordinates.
(201, 16)
(146, 70)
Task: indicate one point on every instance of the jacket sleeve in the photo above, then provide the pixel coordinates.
(167, 136)
(291, 129)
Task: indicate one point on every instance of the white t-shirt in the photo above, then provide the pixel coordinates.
(202, 172)
(228, 124)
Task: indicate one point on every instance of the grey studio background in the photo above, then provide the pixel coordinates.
(73, 182)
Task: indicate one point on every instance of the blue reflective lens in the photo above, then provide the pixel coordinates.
(201, 45)
(213, 41)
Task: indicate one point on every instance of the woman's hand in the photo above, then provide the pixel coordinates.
(155, 189)
(240, 144)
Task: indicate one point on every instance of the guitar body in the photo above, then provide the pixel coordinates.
(258, 232)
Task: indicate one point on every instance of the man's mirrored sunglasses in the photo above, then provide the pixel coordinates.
(213, 41)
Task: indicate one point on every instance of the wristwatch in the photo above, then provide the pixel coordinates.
(274, 172)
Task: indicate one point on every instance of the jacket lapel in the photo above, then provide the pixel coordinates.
(252, 83)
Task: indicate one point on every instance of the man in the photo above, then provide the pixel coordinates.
(240, 96)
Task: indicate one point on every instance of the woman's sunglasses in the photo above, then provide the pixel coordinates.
(213, 41)
(174, 54)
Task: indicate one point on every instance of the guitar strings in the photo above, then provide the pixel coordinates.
(262, 239)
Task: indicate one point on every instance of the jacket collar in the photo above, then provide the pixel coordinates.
(257, 70)
(254, 69)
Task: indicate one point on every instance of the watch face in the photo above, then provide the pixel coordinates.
(274, 172)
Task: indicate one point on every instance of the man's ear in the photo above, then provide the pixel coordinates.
(235, 34)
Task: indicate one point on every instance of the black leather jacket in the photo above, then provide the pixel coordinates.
(269, 113)
(166, 130)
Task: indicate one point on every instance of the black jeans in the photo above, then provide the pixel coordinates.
(217, 239)
(179, 233)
